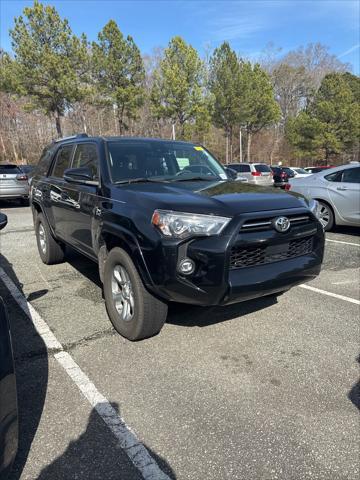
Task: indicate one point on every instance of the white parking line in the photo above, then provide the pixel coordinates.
(345, 243)
(127, 439)
(330, 294)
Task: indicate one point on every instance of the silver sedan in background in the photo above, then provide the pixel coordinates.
(337, 191)
(13, 183)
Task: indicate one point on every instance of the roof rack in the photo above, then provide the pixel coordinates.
(79, 135)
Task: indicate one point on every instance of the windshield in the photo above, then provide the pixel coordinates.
(161, 161)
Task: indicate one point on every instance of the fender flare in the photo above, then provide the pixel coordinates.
(125, 239)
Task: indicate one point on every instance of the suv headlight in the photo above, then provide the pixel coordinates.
(183, 225)
(314, 207)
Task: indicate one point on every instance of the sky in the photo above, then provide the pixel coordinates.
(249, 26)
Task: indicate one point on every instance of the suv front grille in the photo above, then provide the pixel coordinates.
(250, 256)
(267, 222)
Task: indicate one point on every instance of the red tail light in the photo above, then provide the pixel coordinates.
(256, 174)
(22, 177)
(287, 186)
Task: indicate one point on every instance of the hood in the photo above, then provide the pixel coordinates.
(226, 198)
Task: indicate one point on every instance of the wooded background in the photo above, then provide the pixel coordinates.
(298, 108)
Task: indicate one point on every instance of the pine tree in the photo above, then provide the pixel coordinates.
(178, 90)
(118, 73)
(49, 62)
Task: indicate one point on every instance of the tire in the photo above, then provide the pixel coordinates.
(50, 250)
(25, 202)
(134, 312)
(327, 216)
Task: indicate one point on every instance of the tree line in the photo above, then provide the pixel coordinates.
(299, 107)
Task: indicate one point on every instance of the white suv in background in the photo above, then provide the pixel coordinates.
(256, 173)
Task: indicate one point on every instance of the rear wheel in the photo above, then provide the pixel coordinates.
(134, 312)
(49, 249)
(326, 216)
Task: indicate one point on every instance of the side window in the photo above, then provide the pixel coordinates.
(351, 175)
(334, 177)
(244, 168)
(62, 161)
(86, 156)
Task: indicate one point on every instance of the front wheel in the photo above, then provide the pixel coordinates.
(326, 216)
(134, 312)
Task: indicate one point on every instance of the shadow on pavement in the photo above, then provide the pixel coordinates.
(193, 316)
(83, 265)
(354, 394)
(86, 458)
(353, 231)
(31, 365)
(96, 453)
(12, 204)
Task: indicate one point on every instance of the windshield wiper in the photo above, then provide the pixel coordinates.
(192, 179)
(139, 180)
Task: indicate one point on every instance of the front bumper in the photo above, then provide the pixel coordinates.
(215, 283)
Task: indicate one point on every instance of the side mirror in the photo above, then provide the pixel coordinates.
(81, 175)
(3, 221)
(232, 174)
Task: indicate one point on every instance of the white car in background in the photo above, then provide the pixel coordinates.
(338, 192)
(300, 172)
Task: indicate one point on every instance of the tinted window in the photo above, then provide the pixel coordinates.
(351, 175)
(240, 168)
(262, 168)
(62, 161)
(334, 177)
(45, 161)
(9, 169)
(86, 156)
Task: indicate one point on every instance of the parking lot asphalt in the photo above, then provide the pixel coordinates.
(265, 389)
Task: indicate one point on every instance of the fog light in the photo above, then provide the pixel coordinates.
(186, 266)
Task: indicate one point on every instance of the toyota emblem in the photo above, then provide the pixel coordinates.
(281, 224)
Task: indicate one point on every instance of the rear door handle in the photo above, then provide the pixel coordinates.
(341, 188)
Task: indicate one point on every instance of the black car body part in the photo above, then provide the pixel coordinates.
(8, 395)
(250, 258)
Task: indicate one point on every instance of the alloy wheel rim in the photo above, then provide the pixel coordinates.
(324, 215)
(42, 238)
(122, 293)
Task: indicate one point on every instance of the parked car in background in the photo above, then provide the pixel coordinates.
(281, 175)
(162, 229)
(338, 192)
(13, 183)
(256, 173)
(8, 396)
(300, 172)
(317, 169)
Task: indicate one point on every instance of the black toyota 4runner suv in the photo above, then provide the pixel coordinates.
(166, 224)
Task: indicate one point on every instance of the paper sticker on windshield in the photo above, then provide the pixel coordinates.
(199, 149)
